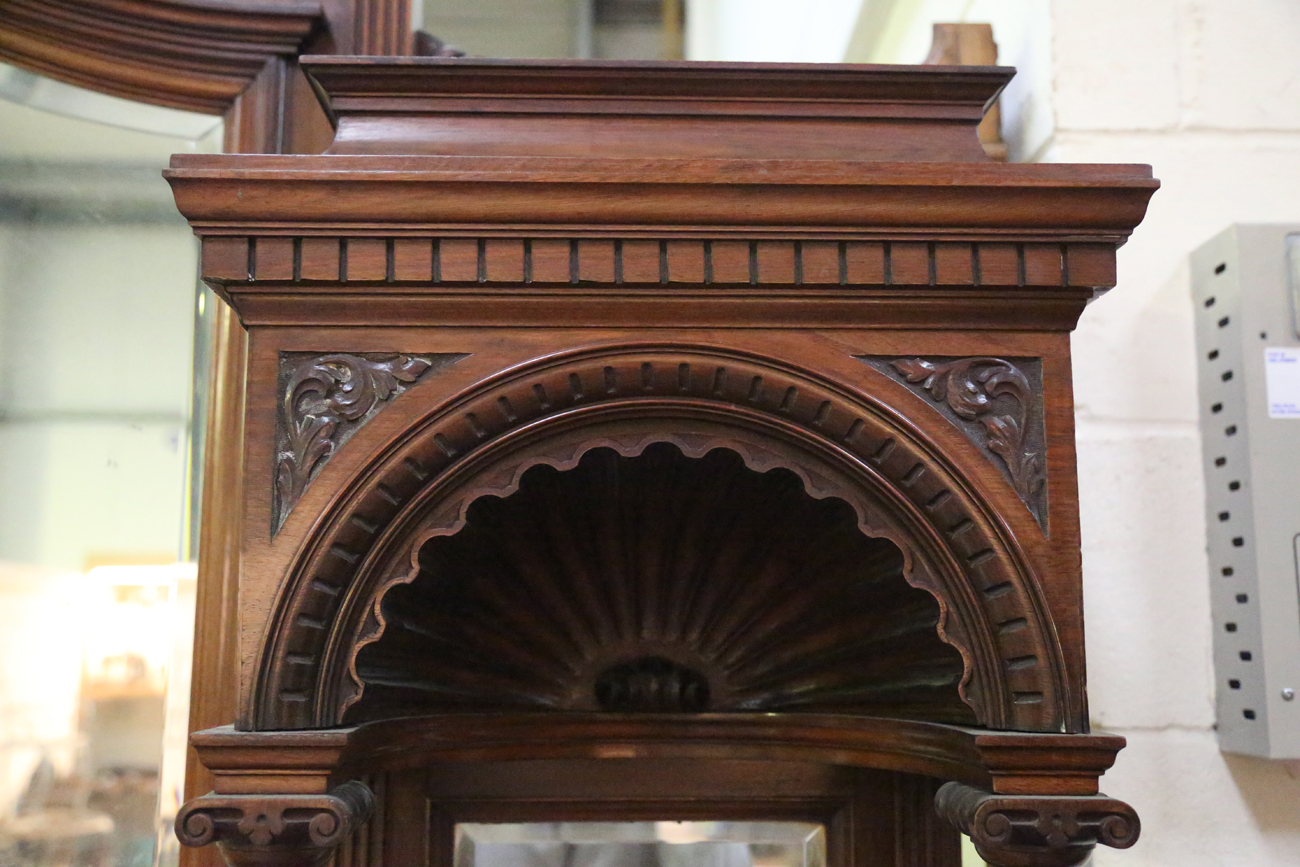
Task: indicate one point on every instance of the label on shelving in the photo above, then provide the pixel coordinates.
(1282, 380)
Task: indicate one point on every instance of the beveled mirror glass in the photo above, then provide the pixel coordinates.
(98, 312)
(641, 844)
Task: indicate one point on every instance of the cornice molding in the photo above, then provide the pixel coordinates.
(1096, 203)
(196, 55)
(925, 90)
(733, 259)
(468, 105)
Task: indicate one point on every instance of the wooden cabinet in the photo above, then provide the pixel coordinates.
(657, 441)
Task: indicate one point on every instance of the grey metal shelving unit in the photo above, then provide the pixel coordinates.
(1246, 291)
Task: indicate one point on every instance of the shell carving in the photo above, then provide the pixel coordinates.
(660, 583)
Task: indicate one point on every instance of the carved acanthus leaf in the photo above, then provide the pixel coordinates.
(324, 398)
(970, 387)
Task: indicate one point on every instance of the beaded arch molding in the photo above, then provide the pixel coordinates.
(774, 415)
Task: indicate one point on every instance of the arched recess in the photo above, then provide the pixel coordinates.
(773, 415)
(655, 573)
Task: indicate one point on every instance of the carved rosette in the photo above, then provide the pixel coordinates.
(1037, 830)
(278, 830)
(327, 398)
(997, 395)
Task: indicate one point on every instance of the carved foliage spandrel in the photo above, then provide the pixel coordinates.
(970, 385)
(324, 400)
(996, 395)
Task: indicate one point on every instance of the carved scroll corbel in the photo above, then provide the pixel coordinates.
(1037, 830)
(275, 830)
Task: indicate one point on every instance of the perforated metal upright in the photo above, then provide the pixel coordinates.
(1244, 286)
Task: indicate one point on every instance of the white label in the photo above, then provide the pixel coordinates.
(1282, 379)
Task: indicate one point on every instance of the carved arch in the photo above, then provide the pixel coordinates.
(840, 443)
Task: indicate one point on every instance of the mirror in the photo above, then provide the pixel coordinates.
(98, 312)
(641, 844)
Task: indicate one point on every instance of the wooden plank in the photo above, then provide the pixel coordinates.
(224, 258)
(550, 261)
(458, 260)
(413, 259)
(273, 258)
(685, 261)
(821, 262)
(641, 261)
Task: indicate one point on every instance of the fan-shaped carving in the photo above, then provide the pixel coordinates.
(660, 582)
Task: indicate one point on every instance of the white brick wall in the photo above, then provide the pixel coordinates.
(1207, 92)
(505, 28)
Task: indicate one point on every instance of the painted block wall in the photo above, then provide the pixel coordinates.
(505, 28)
(1208, 92)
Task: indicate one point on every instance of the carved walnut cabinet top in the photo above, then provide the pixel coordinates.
(585, 390)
